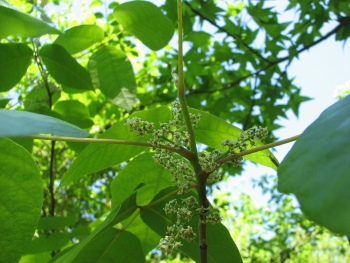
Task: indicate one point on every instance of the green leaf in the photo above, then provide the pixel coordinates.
(221, 247)
(212, 130)
(55, 222)
(3, 102)
(20, 200)
(125, 99)
(141, 170)
(49, 243)
(112, 72)
(74, 112)
(79, 38)
(148, 238)
(15, 59)
(146, 22)
(118, 214)
(64, 68)
(15, 23)
(96, 157)
(112, 245)
(21, 123)
(37, 258)
(317, 167)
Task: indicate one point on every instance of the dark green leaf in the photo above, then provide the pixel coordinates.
(146, 21)
(118, 214)
(317, 169)
(49, 243)
(96, 157)
(15, 59)
(64, 68)
(78, 38)
(55, 222)
(21, 123)
(20, 200)
(3, 103)
(15, 23)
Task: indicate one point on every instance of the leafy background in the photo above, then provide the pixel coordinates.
(227, 74)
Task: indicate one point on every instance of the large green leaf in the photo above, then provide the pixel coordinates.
(146, 21)
(141, 170)
(20, 200)
(148, 238)
(15, 23)
(221, 247)
(317, 169)
(212, 130)
(114, 246)
(81, 37)
(118, 214)
(111, 71)
(96, 157)
(15, 59)
(21, 123)
(49, 243)
(74, 112)
(64, 68)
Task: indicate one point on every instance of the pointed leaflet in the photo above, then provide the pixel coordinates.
(20, 200)
(96, 157)
(15, 59)
(317, 169)
(141, 170)
(15, 23)
(145, 21)
(221, 247)
(78, 38)
(112, 72)
(64, 68)
(212, 130)
(21, 123)
(118, 214)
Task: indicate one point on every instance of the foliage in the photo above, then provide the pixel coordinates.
(108, 76)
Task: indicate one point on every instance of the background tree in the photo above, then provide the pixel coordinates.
(94, 73)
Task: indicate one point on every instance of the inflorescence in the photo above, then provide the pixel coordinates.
(174, 134)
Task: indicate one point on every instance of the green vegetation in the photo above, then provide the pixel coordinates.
(116, 136)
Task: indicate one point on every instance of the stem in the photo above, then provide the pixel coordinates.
(201, 180)
(183, 152)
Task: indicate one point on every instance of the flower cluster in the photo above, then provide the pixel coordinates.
(208, 161)
(210, 215)
(242, 141)
(182, 173)
(140, 126)
(178, 230)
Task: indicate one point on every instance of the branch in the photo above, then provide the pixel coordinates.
(258, 149)
(227, 32)
(273, 63)
(182, 151)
